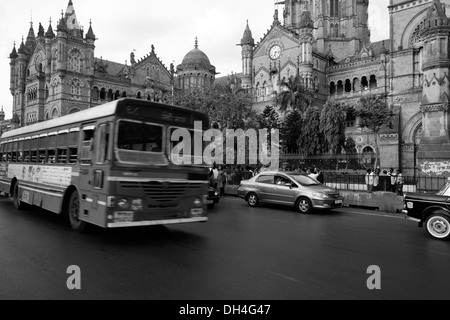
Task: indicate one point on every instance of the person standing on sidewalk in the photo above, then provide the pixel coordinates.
(399, 182)
(393, 180)
(369, 180)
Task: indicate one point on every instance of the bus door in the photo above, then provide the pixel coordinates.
(87, 173)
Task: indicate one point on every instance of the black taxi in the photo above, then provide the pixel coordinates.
(431, 210)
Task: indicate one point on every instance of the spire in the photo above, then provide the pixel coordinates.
(22, 49)
(31, 38)
(13, 54)
(90, 34)
(196, 43)
(41, 31)
(247, 39)
(71, 17)
(62, 25)
(50, 34)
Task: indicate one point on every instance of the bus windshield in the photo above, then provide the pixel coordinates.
(140, 142)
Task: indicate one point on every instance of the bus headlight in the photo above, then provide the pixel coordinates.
(123, 203)
(137, 205)
(198, 202)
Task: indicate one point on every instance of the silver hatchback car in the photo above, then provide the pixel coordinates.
(289, 188)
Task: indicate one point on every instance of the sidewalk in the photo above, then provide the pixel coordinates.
(381, 201)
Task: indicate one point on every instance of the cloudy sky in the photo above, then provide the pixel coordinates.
(171, 26)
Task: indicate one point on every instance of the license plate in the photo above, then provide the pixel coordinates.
(339, 202)
(123, 216)
(196, 212)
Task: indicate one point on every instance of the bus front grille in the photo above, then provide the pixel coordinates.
(162, 192)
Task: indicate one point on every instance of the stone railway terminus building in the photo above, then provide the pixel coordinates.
(327, 42)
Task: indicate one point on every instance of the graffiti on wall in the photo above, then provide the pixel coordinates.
(436, 168)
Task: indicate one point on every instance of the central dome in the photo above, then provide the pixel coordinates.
(196, 56)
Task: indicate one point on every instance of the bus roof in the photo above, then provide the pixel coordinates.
(104, 110)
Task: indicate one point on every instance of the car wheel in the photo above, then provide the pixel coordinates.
(253, 200)
(438, 226)
(211, 206)
(304, 205)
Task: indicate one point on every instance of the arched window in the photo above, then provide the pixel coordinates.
(364, 83)
(368, 150)
(332, 88)
(55, 113)
(340, 87)
(348, 86)
(75, 61)
(103, 94)
(373, 82)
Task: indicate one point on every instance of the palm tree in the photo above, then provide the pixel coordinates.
(295, 95)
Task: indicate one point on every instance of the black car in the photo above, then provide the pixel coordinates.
(433, 210)
(213, 197)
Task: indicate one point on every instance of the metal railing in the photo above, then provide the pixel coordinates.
(357, 182)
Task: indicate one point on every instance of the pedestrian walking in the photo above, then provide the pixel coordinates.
(399, 182)
(221, 181)
(369, 180)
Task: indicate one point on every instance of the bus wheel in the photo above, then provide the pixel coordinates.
(19, 205)
(74, 213)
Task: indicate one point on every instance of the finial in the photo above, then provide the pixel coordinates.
(196, 43)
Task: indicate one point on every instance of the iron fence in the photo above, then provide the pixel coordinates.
(357, 182)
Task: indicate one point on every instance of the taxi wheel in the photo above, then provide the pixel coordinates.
(253, 200)
(74, 213)
(438, 226)
(304, 205)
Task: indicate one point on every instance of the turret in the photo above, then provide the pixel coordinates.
(247, 44)
(435, 142)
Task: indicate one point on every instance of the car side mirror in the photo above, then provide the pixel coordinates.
(289, 185)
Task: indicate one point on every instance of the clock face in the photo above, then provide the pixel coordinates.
(275, 52)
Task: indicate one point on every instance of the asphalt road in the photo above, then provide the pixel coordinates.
(241, 253)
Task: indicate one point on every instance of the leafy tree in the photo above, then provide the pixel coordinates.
(269, 119)
(291, 131)
(226, 109)
(295, 95)
(350, 146)
(333, 124)
(311, 140)
(375, 116)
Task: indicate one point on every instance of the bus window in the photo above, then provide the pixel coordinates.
(51, 148)
(73, 146)
(102, 144)
(14, 152)
(26, 150)
(42, 152)
(87, 144)
(63, 142)
(34, 149)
